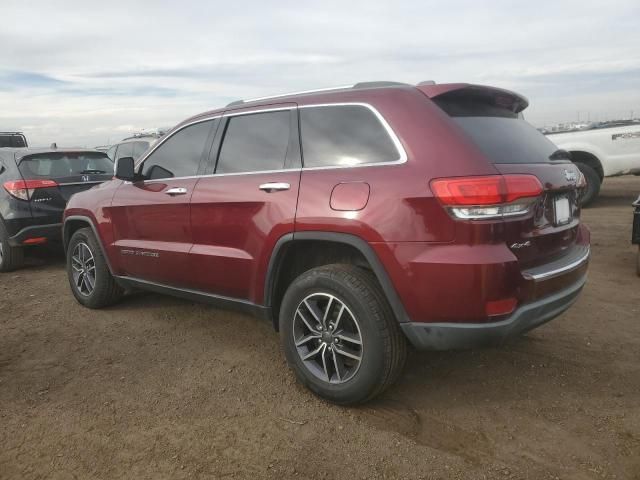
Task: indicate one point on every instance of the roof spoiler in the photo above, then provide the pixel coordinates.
(501, 97)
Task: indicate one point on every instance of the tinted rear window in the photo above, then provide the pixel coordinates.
(507, 140)
(490, 118)
(59, 165)
(344, 135)
(14, 141)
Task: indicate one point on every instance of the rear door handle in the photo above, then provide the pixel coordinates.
(274, 187)
(176, 191)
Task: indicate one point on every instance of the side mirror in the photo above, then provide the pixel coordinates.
(124, 169)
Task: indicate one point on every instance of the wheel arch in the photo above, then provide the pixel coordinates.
(588, 158)
(72, 224)
(328, 247)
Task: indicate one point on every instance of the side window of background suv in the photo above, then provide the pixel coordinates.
(255, 142)
(180, 154)
(344, 135)
(124, 150)
(139, 148)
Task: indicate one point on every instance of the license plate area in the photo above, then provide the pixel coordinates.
(561, 210)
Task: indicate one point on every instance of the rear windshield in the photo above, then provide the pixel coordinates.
(67, 164)
(15, 141)
(507, 140)
(490, 119)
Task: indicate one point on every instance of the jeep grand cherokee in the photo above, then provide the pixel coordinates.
(356, 219)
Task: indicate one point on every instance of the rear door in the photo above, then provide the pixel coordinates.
(516, 147)
(151, 217)
(248, 202)
(56, 176)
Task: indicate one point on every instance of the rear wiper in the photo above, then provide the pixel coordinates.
(560, 155)
(85, 172)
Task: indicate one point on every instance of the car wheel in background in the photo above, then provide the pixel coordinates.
(592, 189)
(91, 282)
(11, 258)
(339, 334)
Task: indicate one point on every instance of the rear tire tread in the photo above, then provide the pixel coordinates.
(364, 284)
(593, 183)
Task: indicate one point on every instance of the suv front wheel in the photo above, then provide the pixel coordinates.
(91, 282)
(339, 334)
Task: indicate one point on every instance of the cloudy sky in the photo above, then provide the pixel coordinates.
(90, 73)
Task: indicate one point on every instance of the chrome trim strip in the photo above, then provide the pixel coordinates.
(327, 89)
(559, 271)
(234, 113)
(161, 180)
(93, 182)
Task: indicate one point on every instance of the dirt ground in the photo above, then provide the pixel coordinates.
(162, 388)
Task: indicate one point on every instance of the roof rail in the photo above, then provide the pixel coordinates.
(376, 84)
(239, 102)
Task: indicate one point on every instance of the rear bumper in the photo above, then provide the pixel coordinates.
(452, 336)
(52, 232)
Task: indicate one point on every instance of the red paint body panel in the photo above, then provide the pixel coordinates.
(152, 230)
(95, 205)
(235, 227)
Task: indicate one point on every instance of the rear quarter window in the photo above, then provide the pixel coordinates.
(344, 135)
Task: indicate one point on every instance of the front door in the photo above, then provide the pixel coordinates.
(240, 212)
(151, 217)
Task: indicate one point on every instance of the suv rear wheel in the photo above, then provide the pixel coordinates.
(592, 189)
(11, 258)
(91, 282)
(339, 334)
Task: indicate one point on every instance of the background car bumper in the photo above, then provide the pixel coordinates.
(51, 232)
(452, 336)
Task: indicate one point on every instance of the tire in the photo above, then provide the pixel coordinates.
(366, 315)
(11, 258)
(93, 291)
(592, 189)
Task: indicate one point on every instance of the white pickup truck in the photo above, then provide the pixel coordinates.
(602, 150)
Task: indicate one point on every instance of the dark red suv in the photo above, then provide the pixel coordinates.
(354, 219)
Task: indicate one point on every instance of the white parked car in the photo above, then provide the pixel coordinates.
(601, 150)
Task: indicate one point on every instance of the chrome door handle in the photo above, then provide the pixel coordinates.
(274, 187)
(176, 191)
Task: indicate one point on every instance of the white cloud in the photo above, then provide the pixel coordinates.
(75, 72)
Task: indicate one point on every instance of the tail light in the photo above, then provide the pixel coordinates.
(493, 196)
(23, 189)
